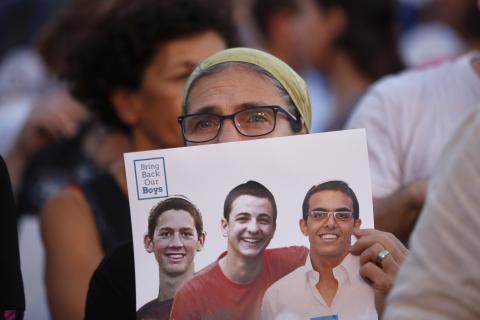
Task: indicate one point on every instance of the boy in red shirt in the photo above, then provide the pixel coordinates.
(233, 286)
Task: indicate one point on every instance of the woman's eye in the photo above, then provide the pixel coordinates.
(257, 117)
(205, 124)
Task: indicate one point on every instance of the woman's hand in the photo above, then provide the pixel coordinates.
(380, 272)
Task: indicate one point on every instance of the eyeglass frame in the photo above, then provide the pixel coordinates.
(222, 118)
(330, 213)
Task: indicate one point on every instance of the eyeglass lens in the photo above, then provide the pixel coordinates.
(250, 122)
(339, 215)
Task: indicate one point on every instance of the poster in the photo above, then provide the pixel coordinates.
(287, 166)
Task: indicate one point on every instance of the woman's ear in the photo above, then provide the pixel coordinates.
(127, 106)
(303, 128)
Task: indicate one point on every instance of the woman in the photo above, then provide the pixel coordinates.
(241, 81)
(131, 72)
(225, 94)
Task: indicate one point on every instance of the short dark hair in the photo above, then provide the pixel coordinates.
(174, 203)
(251, 188)
(371, 36)
(334, 185)
(127, 39)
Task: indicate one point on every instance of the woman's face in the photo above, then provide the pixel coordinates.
(235, 89)
(158, 100)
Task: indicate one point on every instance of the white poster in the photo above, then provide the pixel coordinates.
(205, 174)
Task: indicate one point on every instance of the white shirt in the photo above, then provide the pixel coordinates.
(410, 117)
(440, 279)
(296, 297)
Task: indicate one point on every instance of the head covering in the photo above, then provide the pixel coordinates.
(286, 76)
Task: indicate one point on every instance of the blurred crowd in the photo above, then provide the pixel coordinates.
(84, 81)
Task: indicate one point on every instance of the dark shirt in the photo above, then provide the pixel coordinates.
(155, 310)
(111, 294)
(11, 284)
(58, 164)
(110, 209)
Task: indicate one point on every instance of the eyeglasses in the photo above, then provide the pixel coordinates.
(320, 215)
(251, 122)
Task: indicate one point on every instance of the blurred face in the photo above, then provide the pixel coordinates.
(312, 19)
(250, 226)
(158, 101)
(232, 90)
(329, 238)
(175, 242)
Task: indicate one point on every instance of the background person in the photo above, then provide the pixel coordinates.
(329, 284)
(48, 138)
(445, 30)
(440, 278)
(175, 234)
(409, 119)
(92, 146)
(340, 30)
(131, 73)
(281, 28)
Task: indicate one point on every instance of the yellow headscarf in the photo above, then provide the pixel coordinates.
(288, 78)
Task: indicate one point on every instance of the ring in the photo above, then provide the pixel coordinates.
(380, 256)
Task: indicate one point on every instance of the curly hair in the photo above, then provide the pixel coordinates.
(61, 34)
(126, 40)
